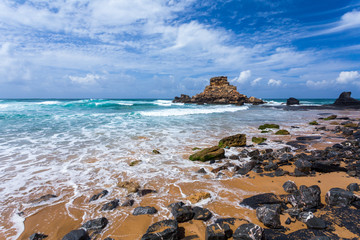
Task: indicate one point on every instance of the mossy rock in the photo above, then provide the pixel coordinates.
(265, 131)
(351, 125)
(134, 163)
(258, 140)
(156, 151)
(196, 148)
(314, 123)
(282, 132)
(331, 117)
(207, 154)
(238, 140)
(271, 125)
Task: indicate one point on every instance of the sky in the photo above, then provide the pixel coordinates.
(160, 49)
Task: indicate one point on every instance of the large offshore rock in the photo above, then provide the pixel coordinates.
(345, 99)
(238, 140)
(292, 101)
(207, 154)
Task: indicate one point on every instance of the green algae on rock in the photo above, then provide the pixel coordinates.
(258, 140)
(156, 151)
(238, 140)
(271, 125)
(331, 117)
(314, 123)
(207, 154)
(282, 132)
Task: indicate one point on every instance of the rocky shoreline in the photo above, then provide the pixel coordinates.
(300, 211)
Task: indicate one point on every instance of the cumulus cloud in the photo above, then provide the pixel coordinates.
(89, 79)
(347, 77)
(273, 82)
(255, 81)
(243, 77)
(317, 84)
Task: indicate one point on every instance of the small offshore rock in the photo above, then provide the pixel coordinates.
(201, 213)
(110, 205)
(238, 140)
(144, 210)
(79, 234)
(248, 231)
(353, 187)
(269, 215)
(38, 236)
(339, 197)
(218, 231)
(290, 187)
(96, 224)
(292, 101)
(208, 154)
(166, 229)
(197, 197)
(99, 195)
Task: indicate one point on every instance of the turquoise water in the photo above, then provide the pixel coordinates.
(67, 147)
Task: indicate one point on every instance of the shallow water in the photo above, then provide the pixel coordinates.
(72, 147)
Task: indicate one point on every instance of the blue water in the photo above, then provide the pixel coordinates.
(67, 147)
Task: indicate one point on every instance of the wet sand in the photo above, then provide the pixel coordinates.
(58, 218)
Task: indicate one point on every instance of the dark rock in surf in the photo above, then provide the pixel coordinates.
(292, 101)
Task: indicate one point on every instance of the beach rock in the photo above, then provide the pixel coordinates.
(238, 140)
(44, 198)
(254, 101)
(96, 224)
(344, 217)
(166, 229)
(144, 210)
(181, 212)
(292, 101)
(282, 132)
(308, 138)
(38, 236)
(207, 154)
(248, 231)
(110, 205)
(79, 234)
(306, 197)
(144, 192)
(304, 216)
(331, 117)
(315, 223)
(353, 187)
(197, 197)
(130, 186)
(201, 213)
(271, 166)
(108, 238)
(290, 187)
(306, 234)
(303, 165)
(99, 195)
(246, 167)
(128, 203)
(327, 168)
(155, 151)
(260, 200)
(345, 99)
(268, 125)
(258, 140)
(182, 99)
(134, 163)
(269, 215)
(218, 231)
(339, 197)
(201, 170)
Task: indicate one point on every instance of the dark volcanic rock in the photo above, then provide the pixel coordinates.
(339, 197)
(248, 231)
(269, 215)
(128, 203)
(144, 192)
(110, 205)
(292, 101)
(96, 224)
(201, 213)
(79, 234)
(99, 195)
(166, 229)
(144, 210)
(303, 165)
(306, 197)
(344, 217)
(261, 199)
(353, 187)
(181, 212)
(246, 167)
(327, 168)
(218, 231)
(290, 187)
(308, 138)
(38, 236)
(345, 99)
(316, 223)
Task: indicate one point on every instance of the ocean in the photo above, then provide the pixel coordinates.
(69, 147)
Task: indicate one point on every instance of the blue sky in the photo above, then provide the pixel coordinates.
(159, 49)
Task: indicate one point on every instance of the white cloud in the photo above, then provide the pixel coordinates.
(255, 81)
(273, 82)
(243, 77)
(317, 84)
(347, 77)
(89, 79)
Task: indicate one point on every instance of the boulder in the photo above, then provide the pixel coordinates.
(208, 154)
(306, 197)
(166, 229)
(181, 212)
(99, 195)
(182, 99)
(269, 215)
(248, 231)
(260, 200)
(353, 187)
(292, 101)
(339, 197)
(282, 132)
(38, 236)
(269, 125)
(201, 214)
(144, 210)
(254, 101)
(303, 165)
(290, 187)
(79, 234)
(218, 231)
(96, 224)
(197, 197)
(238, 140)
(110, 205)
(327, 167)
(315, 223)
(345, 99)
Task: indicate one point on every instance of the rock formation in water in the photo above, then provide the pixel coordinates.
(292, 101)
(345, 99)
(219, 92)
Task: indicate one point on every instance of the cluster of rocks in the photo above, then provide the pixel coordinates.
(219, 92)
